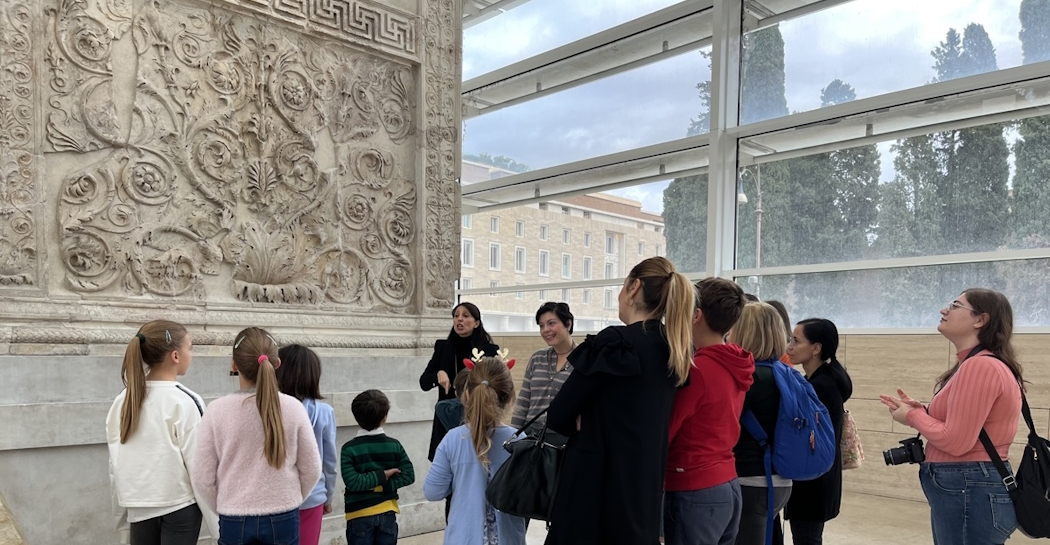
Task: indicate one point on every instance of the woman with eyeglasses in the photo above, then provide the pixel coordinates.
(548, 367)
(968, 501)
(813, 345)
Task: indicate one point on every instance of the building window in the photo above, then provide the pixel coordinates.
(658, 250)
(610, 244)
(519, 294)
(586, 268)
(565, 210)
(494, 256)
(609, 270)
(519, 259)
(609, 298)
(494, 284)
(466, 284)
(586, 297)
(468, 221)
(545, 263)
(586, 240)
(519, 228)
(565, 295)
(543, 232)
(566, 266)
(641, 248)
(586, 215)
(543, 295)
(494, 224)
(468, 252)
(565, 236)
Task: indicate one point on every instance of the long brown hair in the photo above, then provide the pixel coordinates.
(254, 352)
(668, 294)
(489, 389)
(996, 335)
(149, 347)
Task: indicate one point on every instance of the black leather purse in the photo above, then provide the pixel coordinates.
(525, 484)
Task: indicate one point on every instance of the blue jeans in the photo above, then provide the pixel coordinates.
(279, 529)
(378, 529)
(709, 516)
(969, 504)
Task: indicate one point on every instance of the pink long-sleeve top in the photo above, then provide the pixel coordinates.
(231, 470)
(983, 393)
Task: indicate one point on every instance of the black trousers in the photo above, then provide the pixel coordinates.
(181, 527)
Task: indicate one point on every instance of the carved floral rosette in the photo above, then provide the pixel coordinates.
(261, 159)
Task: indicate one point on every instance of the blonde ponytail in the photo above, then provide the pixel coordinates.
(134, 376)
(488, 391)
(267, 399)
(253, 353)
(679, 309)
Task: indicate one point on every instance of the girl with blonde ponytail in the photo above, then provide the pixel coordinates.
(151, 430)
(264, 442)
(616, 406)
(470, 454)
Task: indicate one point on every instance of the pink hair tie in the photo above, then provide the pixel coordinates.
(263, 358)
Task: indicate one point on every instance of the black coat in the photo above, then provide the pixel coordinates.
(819, 500)
(444, 359)
(612, 474)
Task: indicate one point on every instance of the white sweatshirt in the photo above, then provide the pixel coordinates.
(150, 473)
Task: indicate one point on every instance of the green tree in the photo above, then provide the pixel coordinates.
(498, 161)
(685, 222)
(762, 76)
(1035, 30)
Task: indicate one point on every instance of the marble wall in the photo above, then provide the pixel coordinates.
(290, 164)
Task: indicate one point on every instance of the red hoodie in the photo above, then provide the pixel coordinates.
(705, 422)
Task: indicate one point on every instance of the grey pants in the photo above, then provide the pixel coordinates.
(753, 515)
(181, 527)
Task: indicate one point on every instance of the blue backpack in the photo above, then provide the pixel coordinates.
(804, 438)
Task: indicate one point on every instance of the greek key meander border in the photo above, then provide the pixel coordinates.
(385, 21)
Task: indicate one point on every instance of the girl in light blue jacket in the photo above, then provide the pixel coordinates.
(470, 455)
(299, 375)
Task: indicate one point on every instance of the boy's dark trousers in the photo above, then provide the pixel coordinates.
(378, 529)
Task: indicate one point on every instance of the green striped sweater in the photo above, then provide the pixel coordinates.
(363, 461)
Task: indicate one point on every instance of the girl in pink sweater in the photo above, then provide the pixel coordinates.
(257, 458)
(968, 501)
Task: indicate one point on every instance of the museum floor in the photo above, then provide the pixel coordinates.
(865, 520)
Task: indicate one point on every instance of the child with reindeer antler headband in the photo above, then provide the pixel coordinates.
(469, 455)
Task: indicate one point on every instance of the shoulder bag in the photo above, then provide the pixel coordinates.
(525, 484)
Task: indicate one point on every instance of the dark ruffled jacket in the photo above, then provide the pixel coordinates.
(612, 475)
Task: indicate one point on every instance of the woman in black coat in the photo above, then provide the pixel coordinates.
(616, 405)
(467, 334)
(813, 345)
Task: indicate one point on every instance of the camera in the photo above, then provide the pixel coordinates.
(910, 452)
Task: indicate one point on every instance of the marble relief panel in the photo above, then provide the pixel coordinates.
(19, 165)
(261, 164)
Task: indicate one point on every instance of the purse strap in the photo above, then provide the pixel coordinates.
(1008, 480)
(526, 426)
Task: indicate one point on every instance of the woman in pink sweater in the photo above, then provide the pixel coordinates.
(968, 501)
(257, 458)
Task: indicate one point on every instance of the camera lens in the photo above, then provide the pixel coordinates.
(895, 456)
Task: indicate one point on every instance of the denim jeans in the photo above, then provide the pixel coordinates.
(968, 503)
(709, 516)
(279, 529)
(378, 529)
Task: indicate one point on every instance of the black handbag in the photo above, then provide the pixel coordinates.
(525, 484)
(1030, 490)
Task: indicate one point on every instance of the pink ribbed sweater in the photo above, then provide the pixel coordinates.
(230, 469)
(983, 392)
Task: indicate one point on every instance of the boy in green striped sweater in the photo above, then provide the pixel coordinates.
(374, 467)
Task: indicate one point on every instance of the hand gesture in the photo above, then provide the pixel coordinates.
(443, 381)
(900, 407)
(391, 472)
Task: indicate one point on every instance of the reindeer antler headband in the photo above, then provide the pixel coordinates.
(501, 355)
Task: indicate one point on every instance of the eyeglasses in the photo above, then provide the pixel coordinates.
(956, 304)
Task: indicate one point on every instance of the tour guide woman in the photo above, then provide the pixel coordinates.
(968, 501)
(467, 334)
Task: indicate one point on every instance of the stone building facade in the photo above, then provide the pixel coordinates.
(582, 238)
(289, 164)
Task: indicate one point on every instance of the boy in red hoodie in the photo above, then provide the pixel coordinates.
(702, 501)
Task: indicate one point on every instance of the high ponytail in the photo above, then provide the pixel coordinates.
(488, 391)
(149, 347)
(668, 294)
(254, 352)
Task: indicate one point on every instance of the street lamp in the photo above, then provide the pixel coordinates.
(741, 198)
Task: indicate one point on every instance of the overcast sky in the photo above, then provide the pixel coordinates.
(877, 46)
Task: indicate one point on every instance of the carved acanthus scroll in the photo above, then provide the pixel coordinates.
(18, 165)
(233, 123)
